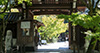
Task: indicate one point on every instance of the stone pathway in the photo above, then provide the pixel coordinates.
(58, 47)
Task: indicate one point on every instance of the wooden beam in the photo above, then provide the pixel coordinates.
(50, 12)
(37, 6)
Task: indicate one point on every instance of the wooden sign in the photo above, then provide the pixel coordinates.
(25, 24)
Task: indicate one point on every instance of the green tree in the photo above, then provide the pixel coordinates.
(92, 5)
(53, 26)
(5, 6)
(2, 31)
(87, 21)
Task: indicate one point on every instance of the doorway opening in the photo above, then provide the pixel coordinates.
(54, 35)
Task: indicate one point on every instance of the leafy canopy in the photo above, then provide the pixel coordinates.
(53, 26)
(28, 1)
(86, 21)
(2, 2)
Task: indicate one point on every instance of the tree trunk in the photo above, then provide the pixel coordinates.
(1, 50)
(91, 45)
(99, 46)
(2, 32)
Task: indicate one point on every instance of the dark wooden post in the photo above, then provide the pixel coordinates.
(43, 1)
(30, 15)
(24, 5)
(70, 28)
(74, 33)
(77, 31)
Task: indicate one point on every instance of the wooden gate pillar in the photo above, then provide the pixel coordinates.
(30, 15)
(26, 13)
(70, 35)
(70, 28)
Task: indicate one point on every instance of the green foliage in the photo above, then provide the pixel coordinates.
(91, 35)
(2, 15)
(53, 26)
(28, 1)
(2, 2)
(86, 21)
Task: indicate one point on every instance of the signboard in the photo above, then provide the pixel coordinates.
(25, 24)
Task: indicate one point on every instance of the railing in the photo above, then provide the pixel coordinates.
(51, 1)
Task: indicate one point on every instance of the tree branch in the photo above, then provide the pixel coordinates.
(5, 8)
(97, 4)
(92, 3)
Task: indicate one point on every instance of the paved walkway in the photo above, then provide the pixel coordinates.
(58, 47)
